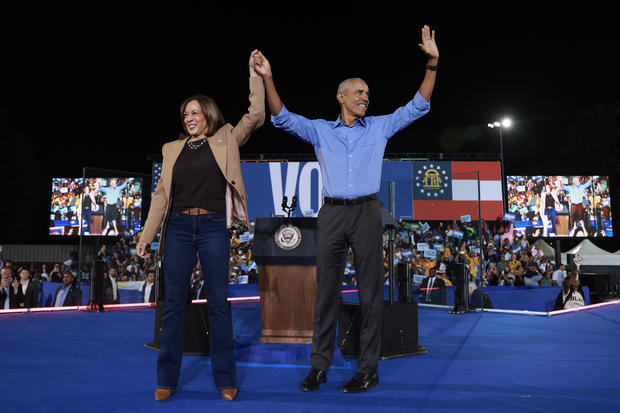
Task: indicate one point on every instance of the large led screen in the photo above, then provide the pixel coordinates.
(104, 206)
(560, 206)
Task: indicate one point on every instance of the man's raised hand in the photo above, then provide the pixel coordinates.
(261, 65)
(428, 45)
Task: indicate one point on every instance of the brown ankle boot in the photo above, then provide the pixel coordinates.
(229, 394)
(162, 394)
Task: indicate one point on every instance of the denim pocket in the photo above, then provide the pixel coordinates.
(219, 217)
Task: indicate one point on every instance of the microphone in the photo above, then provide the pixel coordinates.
(294, 203)
(284, 201)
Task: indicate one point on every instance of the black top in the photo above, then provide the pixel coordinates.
(197, 181)
(549, 201)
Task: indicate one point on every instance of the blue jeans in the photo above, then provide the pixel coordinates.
(188, 236)
(550, 212)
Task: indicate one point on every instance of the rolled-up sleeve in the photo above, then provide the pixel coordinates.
(296, 125)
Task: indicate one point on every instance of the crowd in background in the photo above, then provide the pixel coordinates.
(494, 255)
(497, 255)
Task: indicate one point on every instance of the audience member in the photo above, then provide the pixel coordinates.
(547, 279)
(148, 289)
(559, 276)
(28, 292)
(197, 289)
(432, 289)
(532, 276)
(44, 275)
(571, 296)
(56, 274)
(478, 298)
(8, 292)
(68, 294)
(110, 288)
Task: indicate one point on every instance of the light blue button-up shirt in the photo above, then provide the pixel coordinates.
(351, 157)
(577, 193)
(113, 194)
(62, 295)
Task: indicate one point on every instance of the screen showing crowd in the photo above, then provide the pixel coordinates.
(560, 206)
(104, 206)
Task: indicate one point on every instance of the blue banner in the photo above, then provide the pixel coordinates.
(267, 182)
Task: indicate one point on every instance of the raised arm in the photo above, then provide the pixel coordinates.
(256, 112)
(296, 125)
(429, 47)
(263, 68)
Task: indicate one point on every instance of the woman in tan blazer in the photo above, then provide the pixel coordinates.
(199, 195)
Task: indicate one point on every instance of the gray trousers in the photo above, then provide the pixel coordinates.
(338, 227)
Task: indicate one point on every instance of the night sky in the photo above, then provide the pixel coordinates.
(102, 89)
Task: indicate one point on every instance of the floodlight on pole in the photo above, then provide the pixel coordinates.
(505, 123)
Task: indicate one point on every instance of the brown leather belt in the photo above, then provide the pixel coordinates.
(197, 211)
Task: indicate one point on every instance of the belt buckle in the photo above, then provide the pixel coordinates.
(348, 201)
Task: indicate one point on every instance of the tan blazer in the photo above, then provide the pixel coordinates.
(225, 145)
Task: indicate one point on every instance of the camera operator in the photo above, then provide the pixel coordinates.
(7, 289)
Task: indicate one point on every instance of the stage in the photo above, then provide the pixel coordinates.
(77, 361)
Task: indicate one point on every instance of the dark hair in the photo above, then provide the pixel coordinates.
(211, 112)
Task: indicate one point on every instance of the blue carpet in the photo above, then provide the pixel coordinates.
(91, 362)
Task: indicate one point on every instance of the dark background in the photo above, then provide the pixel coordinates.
(101, 88)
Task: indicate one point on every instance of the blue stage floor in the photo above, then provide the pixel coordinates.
(479, 362)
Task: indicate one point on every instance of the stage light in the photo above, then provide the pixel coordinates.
(505, 123)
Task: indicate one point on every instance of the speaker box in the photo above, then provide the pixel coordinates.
(461, 289)
(96, 285)
(399, 330)
(405, 295)
(196, 339)
(598, 284)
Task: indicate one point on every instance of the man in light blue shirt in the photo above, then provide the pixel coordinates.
(578, 198)
(113, 198)
(350, 154)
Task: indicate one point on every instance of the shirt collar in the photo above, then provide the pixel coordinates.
(339, 122)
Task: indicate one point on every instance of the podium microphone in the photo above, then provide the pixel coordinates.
(294, 203)
(284, 201)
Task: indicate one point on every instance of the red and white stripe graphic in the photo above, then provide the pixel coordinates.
(465, 194)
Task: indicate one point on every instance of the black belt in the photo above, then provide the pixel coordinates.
(349, 201)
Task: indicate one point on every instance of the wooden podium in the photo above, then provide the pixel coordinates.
(287, 280)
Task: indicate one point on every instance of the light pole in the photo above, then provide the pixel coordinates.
(505, 123)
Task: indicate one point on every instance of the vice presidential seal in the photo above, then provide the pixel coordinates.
(288, 237)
